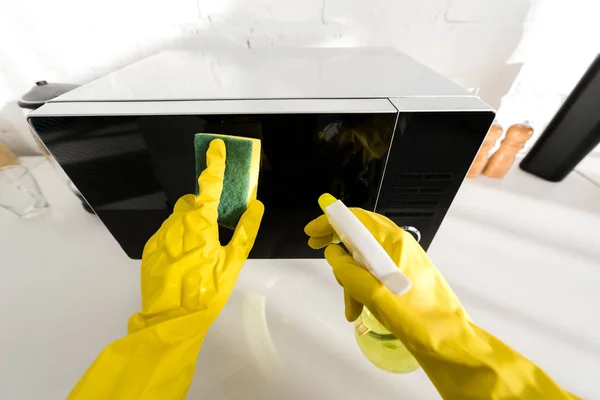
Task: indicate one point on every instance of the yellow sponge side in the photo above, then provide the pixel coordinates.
(254, 169)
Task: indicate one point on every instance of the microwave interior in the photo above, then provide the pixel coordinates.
(132, 169)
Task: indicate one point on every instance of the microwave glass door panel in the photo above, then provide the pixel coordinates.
(132, 169)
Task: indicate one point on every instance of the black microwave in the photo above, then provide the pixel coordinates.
(373, 127)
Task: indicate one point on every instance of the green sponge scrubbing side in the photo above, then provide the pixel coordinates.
(241, 173)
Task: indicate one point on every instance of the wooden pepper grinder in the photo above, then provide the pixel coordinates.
(482, 156)
(501, 161)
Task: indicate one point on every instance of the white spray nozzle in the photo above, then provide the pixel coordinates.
(363, 247)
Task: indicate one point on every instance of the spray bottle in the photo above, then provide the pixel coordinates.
(378, 344)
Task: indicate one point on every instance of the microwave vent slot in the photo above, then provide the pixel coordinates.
(405, 190)
(418, 190)
(409, 175)
(439, 176)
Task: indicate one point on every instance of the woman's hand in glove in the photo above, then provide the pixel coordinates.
(184, 267)
(462, 360)
(429, 294)
(187, 277)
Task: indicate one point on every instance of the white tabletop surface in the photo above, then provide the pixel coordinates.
(522, 254)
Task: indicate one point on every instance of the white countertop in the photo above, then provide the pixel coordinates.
(522, 254)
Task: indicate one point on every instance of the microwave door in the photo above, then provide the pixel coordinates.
(132, 165)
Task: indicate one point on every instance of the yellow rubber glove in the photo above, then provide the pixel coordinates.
(461, 359)
(187, 277)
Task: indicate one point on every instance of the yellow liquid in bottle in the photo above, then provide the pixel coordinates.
(381, 347)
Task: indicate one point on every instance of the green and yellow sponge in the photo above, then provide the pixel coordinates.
(241, 173)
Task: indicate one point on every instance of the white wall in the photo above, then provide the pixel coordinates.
(559, 43)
